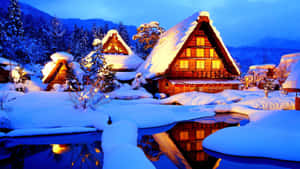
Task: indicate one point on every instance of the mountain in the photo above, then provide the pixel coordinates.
(279, 43)
(30, 13)
(247, 56)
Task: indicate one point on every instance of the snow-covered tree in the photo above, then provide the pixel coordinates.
(138, 81)
(97, 71)
(123, 32)
(105, 28)
(84, 42)
(56, 33)
(148, 34)
(75, 43)
(97, 32)
(14, 24)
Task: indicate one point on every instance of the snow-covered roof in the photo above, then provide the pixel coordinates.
(110, 33)
(171, 42)
(287, 61)
(187, 81)
(124, 76)
(7, 61)
(293, 80)
(61, 56)
(263, 66)
(121, 61)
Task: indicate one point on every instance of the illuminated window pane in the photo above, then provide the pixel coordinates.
(200, 41)
(200, 52)
(184, 64)
(200, 134)
(184, 135)
(200, 156)
(188, 52)
(199, 146)
(188, 147)
(200, 64)
(216, 64)
(211, 52)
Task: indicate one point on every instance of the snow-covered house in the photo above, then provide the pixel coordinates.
(285, 66)
(258, 74)
(57, 70)
(118, 54)
(191, 56)
(292, 83)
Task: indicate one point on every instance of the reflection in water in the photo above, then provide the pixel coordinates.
(58, 156)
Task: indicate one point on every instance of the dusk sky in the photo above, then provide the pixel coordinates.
(239, 21)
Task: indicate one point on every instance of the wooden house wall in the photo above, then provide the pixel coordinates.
(109, 46)
(4, 76)
(165, 86)
(208, 72)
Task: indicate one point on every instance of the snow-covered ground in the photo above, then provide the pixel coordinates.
(275, 135)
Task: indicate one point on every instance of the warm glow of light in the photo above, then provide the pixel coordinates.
(73, 163)
(216, 64)
(184, 64)
(200, 64)
(211, 52)
(60, 148)
(188, 52)
(106, 96)
(200, 41)
(97, 150)
(200, 52)
(97, 163)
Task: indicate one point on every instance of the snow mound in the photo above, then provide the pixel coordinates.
(119, 141)
(293, 80)
(126, 92)
(61, 56)
(200, 98)
(124, 76)
(279, 129)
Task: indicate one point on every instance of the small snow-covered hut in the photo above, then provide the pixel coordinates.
(118, 54)
(292, 83)
(257, 74)
(191, 56)
(285, 66)
(56, 71)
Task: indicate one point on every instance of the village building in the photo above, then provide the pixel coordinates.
(285, 66)
(59, 69)
(258, 75)
(191, 56)
(118, 54)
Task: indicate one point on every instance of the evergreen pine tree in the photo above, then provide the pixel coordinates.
(123, 32)
(97, 71)
(105, 28)
(83, 43)
(14, 24)
(97, 32)
(56, 33)
(75, 45)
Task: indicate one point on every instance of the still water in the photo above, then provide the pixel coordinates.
(176, 146)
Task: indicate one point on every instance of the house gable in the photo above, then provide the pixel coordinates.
(114, 46)
(202, 56)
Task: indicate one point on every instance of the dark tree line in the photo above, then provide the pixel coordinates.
(27, 39)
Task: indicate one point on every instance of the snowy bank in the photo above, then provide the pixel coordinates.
(120, 149)
(275, 136)
(126, 92)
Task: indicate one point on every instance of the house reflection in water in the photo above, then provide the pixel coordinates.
(188, 137)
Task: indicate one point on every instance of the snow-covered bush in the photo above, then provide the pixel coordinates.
(138, 81)
(89, 97)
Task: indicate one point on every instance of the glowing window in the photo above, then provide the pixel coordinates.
(184, 135)
(211, 52)
(200, 64)
(216, 64)
(200, 41)
(200, 156)
(200, 52)
(199, 146)
(188, 147)
(188, 52)
(184, 64)
(200, 134)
